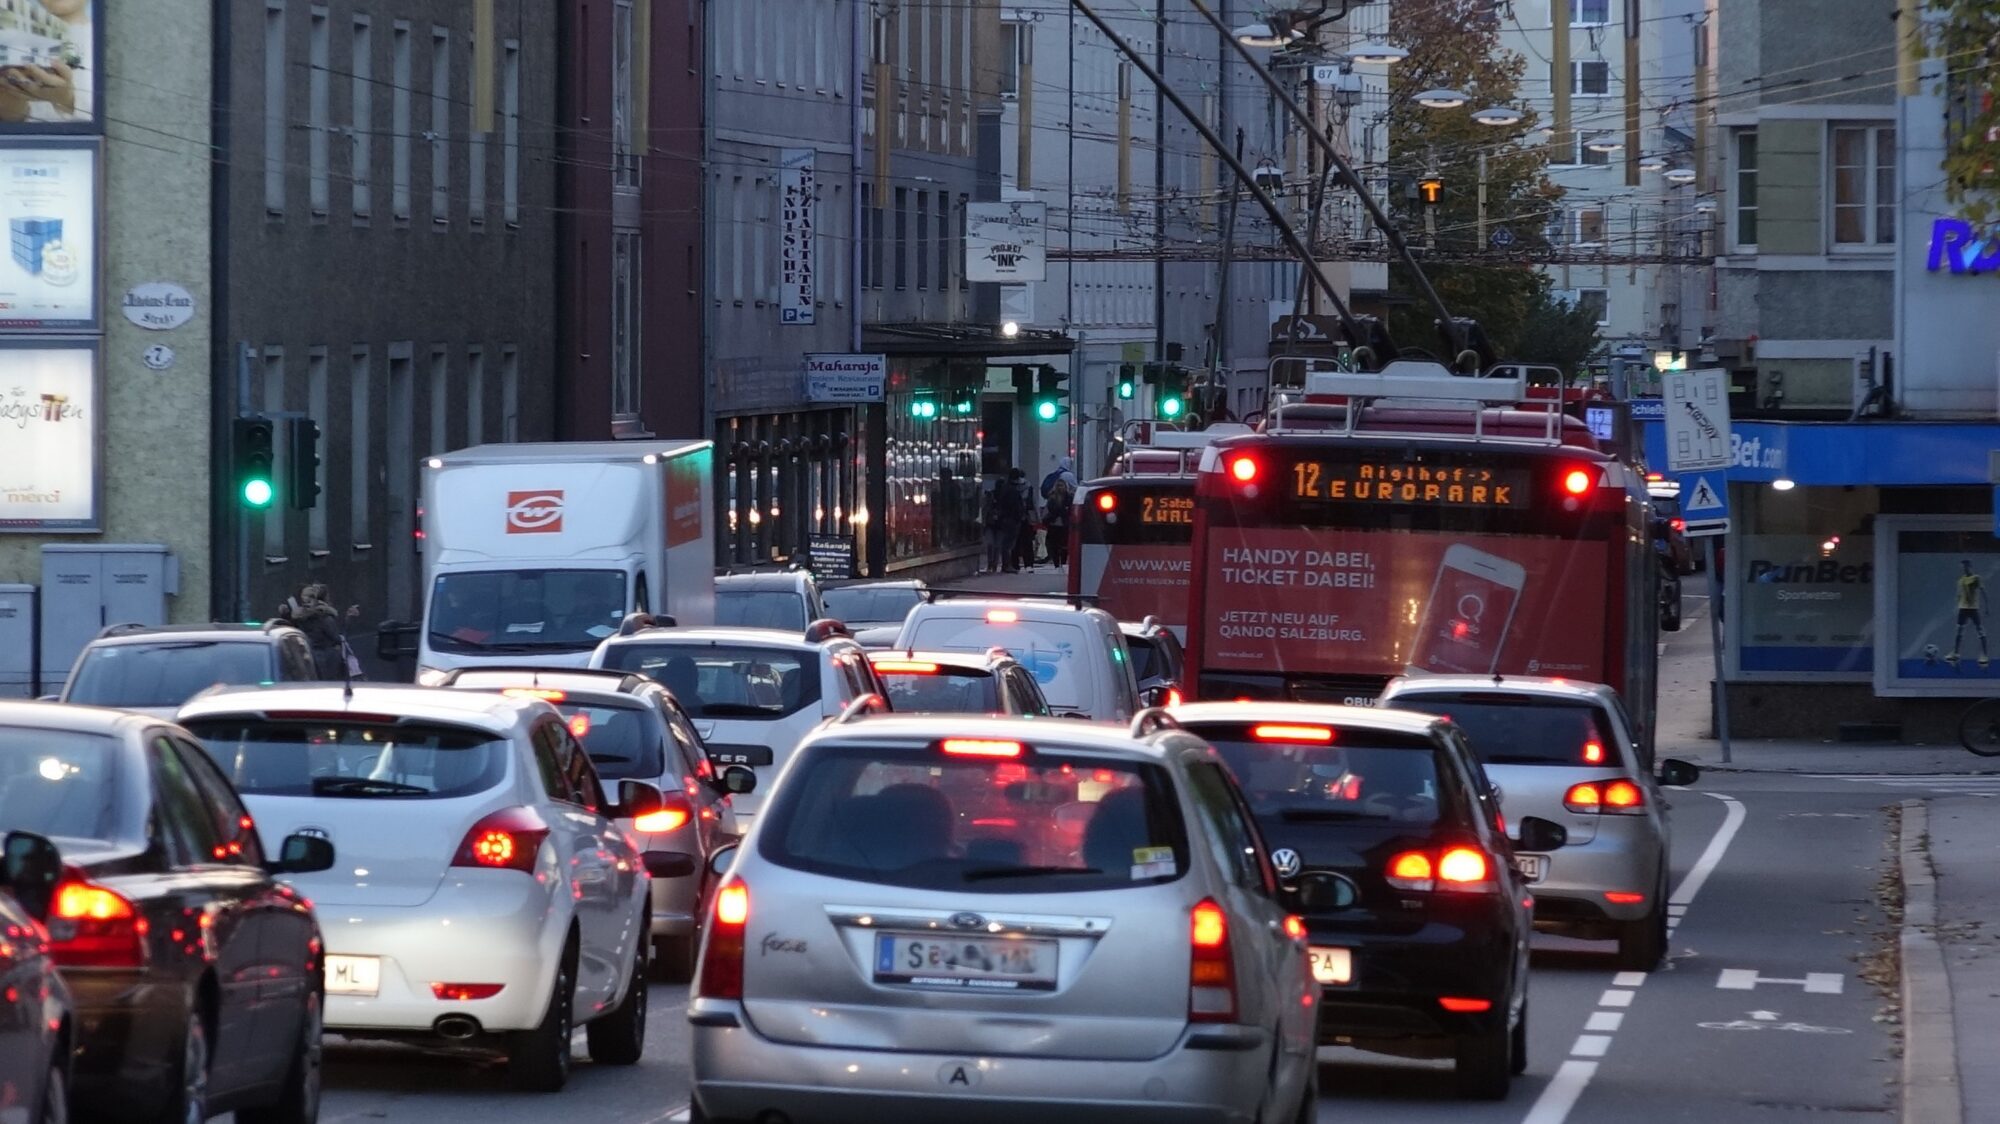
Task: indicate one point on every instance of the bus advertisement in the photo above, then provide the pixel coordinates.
(1328, 561)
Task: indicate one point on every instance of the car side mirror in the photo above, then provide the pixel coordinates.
(1319, 892)
(395, 639)
(720, 861)
(1499, 794)
(1154, 696)
(1538, 834)
(30, 870)
(668, 864)
(1676, 773)
(637, 798)
(737, 780)
(302, 854)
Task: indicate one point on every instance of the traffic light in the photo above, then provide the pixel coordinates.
(1430, 189)
(924, 406)
(1128, 381)
(251, 450)
(302, 463)
(1049, 393)
(1170, 393)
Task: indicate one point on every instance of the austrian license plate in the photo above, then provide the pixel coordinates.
(969, 963)
(1332, 966)
(1532, 867)
(353, 975)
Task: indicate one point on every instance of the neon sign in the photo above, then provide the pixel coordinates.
(1958, 248)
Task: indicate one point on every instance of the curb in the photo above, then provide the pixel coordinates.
(1930, 1039)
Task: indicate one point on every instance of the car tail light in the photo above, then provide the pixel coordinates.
(673, 813)
(1593, 753)
(1211, 972)
(1624, 897)
(1410, 870)
(1173, 696)
(905, 667)
(1465, 870)
(1295, 926)
(1678, 524)
(579, 725)
(509, 839)
(1615, 798)
(457, 992)
(722, 959)
(1461, 1006)
(1278, 733)
(980, 747)
(93, 927)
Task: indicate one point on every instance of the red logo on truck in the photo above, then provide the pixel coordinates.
(535, 513)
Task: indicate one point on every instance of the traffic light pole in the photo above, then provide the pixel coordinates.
(1352, 326)
(242, 518)
(1395, 237)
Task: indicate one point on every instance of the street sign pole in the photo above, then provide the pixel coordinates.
(1695, 412)
(1715, 639)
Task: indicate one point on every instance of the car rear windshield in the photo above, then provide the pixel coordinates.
(1521, 730)
(510, 611)
(761, 608)
(1352, 776)
(168, 673)
(1051, 650)
(1146, 657)
(58, 783)
(862, 604)
(924, 819)
(622, 741)
(948, 690)
(726, 680)
(356, 760)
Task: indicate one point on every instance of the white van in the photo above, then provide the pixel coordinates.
(1076, 653)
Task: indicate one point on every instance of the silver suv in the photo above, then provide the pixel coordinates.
(1011, 917)
(1566, 751)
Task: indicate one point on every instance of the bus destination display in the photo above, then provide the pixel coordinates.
(1399, 483)
(1166, 509)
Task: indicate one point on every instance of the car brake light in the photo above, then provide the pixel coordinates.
(509, 839)
(1465, 869)
(1623, 897)
(93, 927)
(1106, 501)
(1275, 733)
(906, 667)
(1576, 481)
(1585, 797)
(1618, 798)
(1593, 753)
(722, 957)
(579, 725)
(1295, 926)
(1623, 795)
(670, 817)
(548, 694)
(1410, 870)
(458, 992)
(980, 747)
(1211, 971)
(1461, 1006)
(1173, 696)
(1001, 616)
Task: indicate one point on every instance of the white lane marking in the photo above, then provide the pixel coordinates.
(1747, 979)
(1732, 821)
(1590, 1046)
(1561, 1093)
(1605, 1022)
(1615, 998)
(677, 1116)
(1628, 979)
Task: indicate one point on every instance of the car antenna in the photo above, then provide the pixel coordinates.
(346, 673)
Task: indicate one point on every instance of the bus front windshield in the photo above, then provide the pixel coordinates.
(494, 612)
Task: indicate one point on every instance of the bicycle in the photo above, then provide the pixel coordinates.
(1979, 729)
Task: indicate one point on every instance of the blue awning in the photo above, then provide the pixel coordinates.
(1879, 453)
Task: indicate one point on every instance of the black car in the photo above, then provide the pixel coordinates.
(989, 682)
(1158, 664)
(196, 974)
(1384, 828)
(36, 1026)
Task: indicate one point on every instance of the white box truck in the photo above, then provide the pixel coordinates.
(535, 552)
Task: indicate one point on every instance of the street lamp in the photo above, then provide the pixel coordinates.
(1010, 329)
(1441, 99)
(1378, 52)
(1604, 143)
(1652, 163)
(1680, 175)
(1269, 176)
(1273, 34)
(1498, 116)
(1705, 206)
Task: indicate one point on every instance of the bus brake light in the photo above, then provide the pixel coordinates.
(1107, 501)
(1243, 469)
(1576, 482)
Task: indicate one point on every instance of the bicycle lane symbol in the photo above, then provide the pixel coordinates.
(1768, 1020)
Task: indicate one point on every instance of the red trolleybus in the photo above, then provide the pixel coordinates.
(1360, 536)
(1132, 531)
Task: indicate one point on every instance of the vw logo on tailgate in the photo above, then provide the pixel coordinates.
(967, 921)
(1286, 860)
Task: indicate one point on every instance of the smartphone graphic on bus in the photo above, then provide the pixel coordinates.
(1464, 625)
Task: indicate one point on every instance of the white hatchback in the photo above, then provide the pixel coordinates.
(483, 890)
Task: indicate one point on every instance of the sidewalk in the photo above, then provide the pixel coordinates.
(1951, 960)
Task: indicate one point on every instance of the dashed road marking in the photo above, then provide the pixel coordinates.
(1605, 1022)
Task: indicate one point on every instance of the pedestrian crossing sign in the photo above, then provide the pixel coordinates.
(1705, 502)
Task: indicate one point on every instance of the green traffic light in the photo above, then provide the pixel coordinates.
(1045, 409)
(1126, 389)
(257, 492)
(1170, 407)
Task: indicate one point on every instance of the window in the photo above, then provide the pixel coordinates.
(475, 147)
(1591, 76)
(944, 241)
(361, 134)
(356, 759)
(510, 394)
(360, 380)
(625, 276)
(510, 134)
(475, 395)
(274, 107)
(958, 245)
(399, 122)
(1587, 226)
(317, 408)
(1597, 301)
(319, 108)
(624, 157)
(1583, 154)
(1589, 13)
(1745, 208)
(924, 242)
(1864, 185)
(225, 811)
(902, 237)
(440, 126)
(440, 399)
(1010, 58)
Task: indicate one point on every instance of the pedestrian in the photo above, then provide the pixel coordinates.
(1065, 469)
(311, 609)
(1024, 539)
(1060, 496)
(989, 519)
(1011, 501)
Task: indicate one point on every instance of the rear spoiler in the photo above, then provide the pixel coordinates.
(1080, 600)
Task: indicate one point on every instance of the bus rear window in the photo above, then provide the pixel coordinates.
(1521, 730)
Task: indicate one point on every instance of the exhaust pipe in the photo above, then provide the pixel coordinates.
(456, 1027)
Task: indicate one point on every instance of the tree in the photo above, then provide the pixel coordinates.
(1965, 35)
(1557, 332)
(1455, 44)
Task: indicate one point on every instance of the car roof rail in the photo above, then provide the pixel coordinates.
(123, 628)
(862, 707)
(1152, 720)
(638, 622)
(276, 623)
(941, 593)
(827, 628)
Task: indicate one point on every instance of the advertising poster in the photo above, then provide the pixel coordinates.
(1806, 607)
(49, 65)
(684, 506)
(48, 204)
(1945, 589)
(1006, 242)
(1136, 580)
(48, 438)
(1331, 602)
(797, 270)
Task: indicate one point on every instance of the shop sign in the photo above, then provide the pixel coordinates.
(1807, 603)
(797, 268)
(48, 438)
(48, 203)
(1958, 248)
(1006, 242)
(832, 555)
(845, 378)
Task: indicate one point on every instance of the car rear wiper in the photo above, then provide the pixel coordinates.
(989, 873)
(1325, 815)
(609, 758)
(736, 710)
(364, 786)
